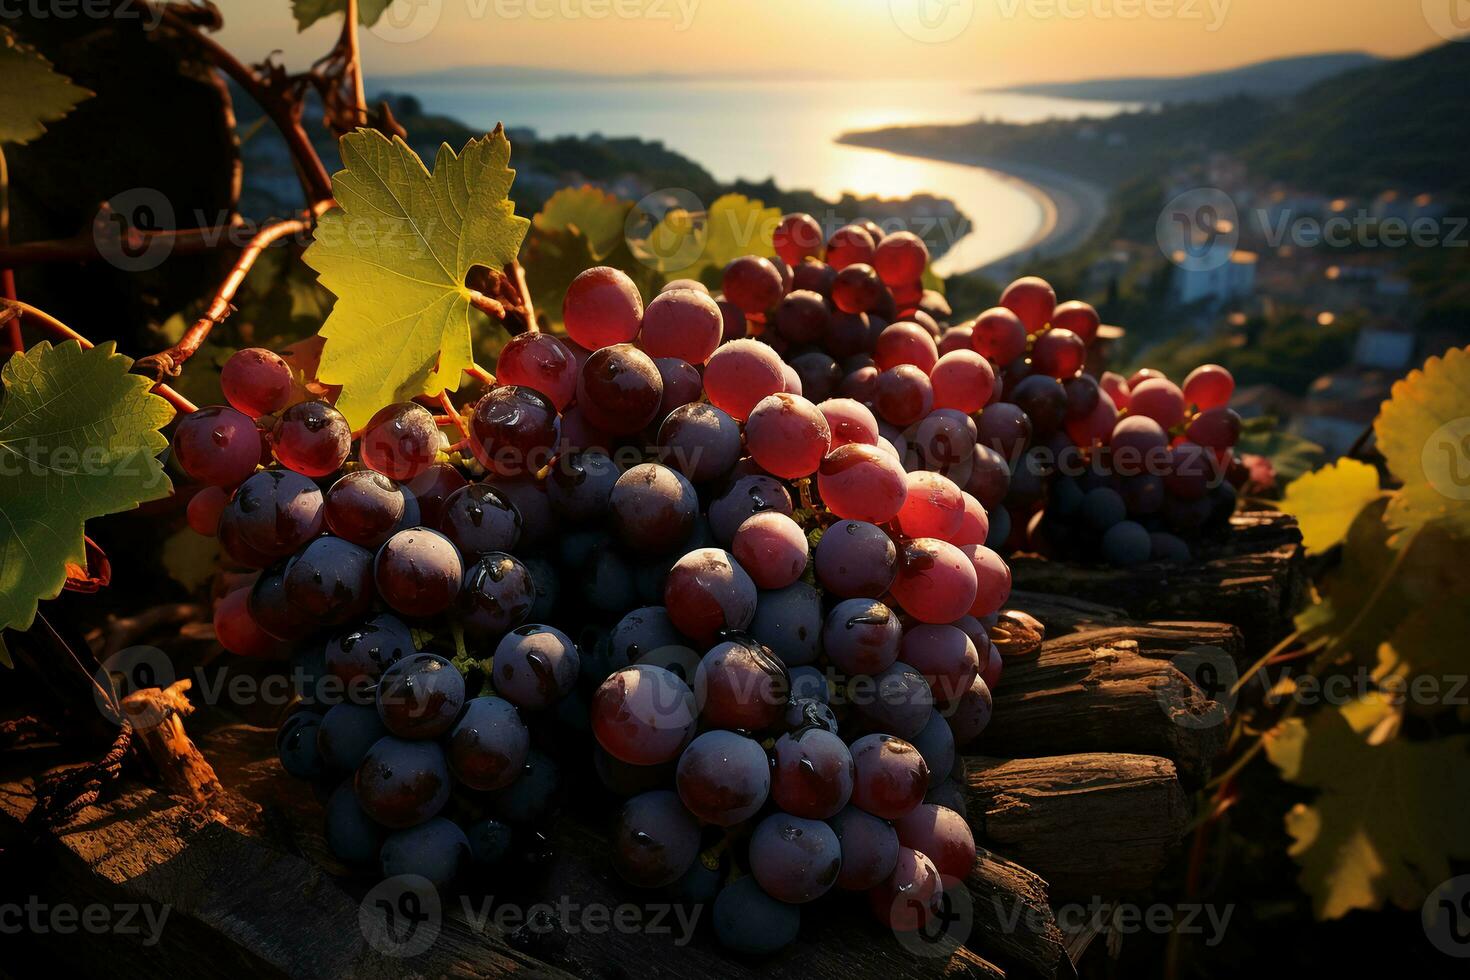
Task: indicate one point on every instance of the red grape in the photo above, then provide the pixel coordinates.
(400, 441)
(992, 578)
(901, 258)
(936, 581)
(903, 395)
(513, 430)
(1078, 317)
(620, 389)
(541, 362)
(753, 284)
(1115, 386)
(942, 835)
(312, 438)
(740, 684)
(857, 289)
(787, 436)
(237, 630)
(862, 483)
(418, 572)
(999, 335)
(205, 508)
(707, 591)
(933, 507)
(975, 527)
(1209, 386)
(256, 381)
(962, 380)
(849, 244)
(771, 547)
(802, 317)
(797, 237)
(643, 715)
(1032, 300)
(602, 308)
(218, 445)
(1058, 353)
(363, 507)
(723, 778)
(1216, 428)
(1159, 399)
(741, 373)
(849, 420)
(890, 776)
(682, 323)
(905, 343)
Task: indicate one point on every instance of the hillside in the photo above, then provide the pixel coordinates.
(1266, 79)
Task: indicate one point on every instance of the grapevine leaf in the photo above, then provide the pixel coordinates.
(1424, 434)
(78, 439)
(1435, 597)
(1389, 814)
(396, 253)
(1326, 502)
(932, 280)
(31, 92)
(600, 217)
(735, 225)
(308, 12)
(191, 558)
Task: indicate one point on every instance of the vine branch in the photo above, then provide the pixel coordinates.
(170, 362)
(11, 309)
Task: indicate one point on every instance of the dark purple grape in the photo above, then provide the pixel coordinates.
(935, 743)
(420, 696)
(435, 849)
(364, 507)
(535, 666)
(789, 622)
(700, 441)
(580, 485)
(855, 559)
(531, 799)
(276, 512)
(752, 923)
(487, 747)
(802, 317)
(943, 836)
(312, 438)
(971, 716)
(723, 778)
(620, 389)
(402, 783)
(794, 859)
(418, 572)
(331, 581)
(479, 519)
(861, 636)
(899, 701)
(655, 840)
(296, 744)
(643, 715)
(538, 524)
(431, 488)
(625, 779)
(653, 509)
(708, 592)
(490, 839)
(891, 776)
(682, 384)
(741, 685)
(641, 632)
(869, 849)
(359, 656)
(347, 732)
(497, 595)
(820, 376)
(748, 496)
(270, 608)
(513, 431)
(350, 833)
(813, 773)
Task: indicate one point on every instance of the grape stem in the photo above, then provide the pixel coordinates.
(170, 362)
(480, 374)
(453, 413)
(86, 247)
(354, 61)
(518, 275)
(11, 309)
(7, 276)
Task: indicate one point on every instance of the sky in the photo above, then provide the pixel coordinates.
(988, 42)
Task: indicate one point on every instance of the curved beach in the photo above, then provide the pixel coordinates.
(1072, 208)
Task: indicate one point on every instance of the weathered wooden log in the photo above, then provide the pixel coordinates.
(1090, 825)
(1012, 917)
(1254, 578)
(1066, 614)
(1113, 690)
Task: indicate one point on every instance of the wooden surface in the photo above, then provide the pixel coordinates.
(1096, 824)
(1113, 690)
(1254, 578)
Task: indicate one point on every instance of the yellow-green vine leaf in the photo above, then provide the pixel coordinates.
(735, 225)
(1424, 434)
(308, 12)
(396, 252)
(932, 280)
(78, 439)
(1389, 815)
(598, 215)
(32, 93)
(1325, 502)
(191, 558)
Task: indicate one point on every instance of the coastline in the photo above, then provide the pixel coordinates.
(1072, 208)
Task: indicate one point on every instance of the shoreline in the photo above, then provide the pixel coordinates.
(1072, 208)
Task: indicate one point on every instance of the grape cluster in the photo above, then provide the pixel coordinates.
(728, 551)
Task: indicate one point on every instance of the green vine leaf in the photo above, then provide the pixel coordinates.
(396, 252)
(598, 215)
(1424, 434)
(308, 12)
(1326, 501)
(79, 438)
(1389, 814)
(32, 93)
